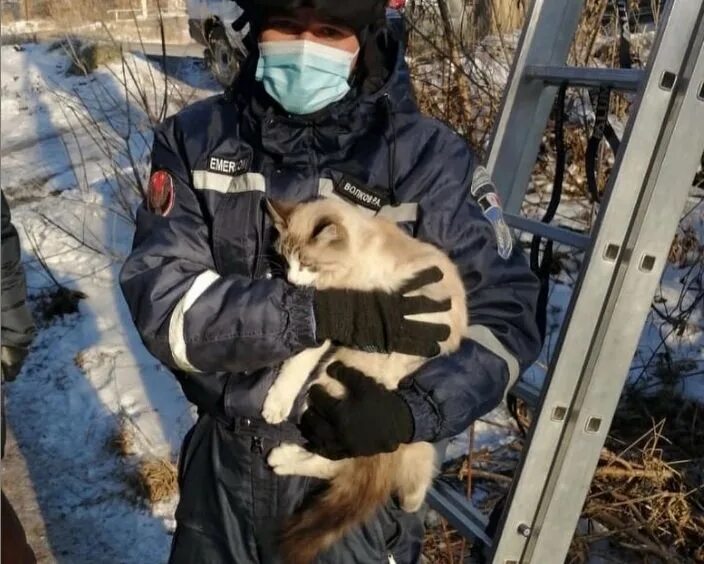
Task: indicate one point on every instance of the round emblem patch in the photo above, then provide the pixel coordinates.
(160, 193)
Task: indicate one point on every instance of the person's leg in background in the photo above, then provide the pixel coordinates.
(15, 549)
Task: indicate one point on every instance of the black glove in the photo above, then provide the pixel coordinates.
(376, 321)
(12, 359)
(370, 419)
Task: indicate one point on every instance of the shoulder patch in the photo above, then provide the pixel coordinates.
(483, 191)
(229, 166)
(357, 193)
(160, 193)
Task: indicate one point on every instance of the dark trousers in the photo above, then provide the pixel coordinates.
(15, 549)
(232, 503)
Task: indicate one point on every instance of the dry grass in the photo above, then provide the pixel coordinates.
(458, 76)
(57, 301)
(443, 545)
(155, 480)
(123, 442)
(648, 490)
(70, 12)
(151, 479)
(89, 57)
(646, 499)
(686, 249)
(504, 15)
(453, 68)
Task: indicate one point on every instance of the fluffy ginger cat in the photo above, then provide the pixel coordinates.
(329, 244)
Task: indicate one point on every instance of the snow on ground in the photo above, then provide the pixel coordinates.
(674, 347)
(669, 353)
(88, 373)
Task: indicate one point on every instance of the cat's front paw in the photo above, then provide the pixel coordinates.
(275, 411)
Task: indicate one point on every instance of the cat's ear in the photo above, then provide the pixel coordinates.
(328, 231)
(280, 212)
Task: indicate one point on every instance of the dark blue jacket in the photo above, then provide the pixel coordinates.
(203, 283)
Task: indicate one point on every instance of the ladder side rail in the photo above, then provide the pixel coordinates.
(545, 40)
(642, 132)
(646, 252)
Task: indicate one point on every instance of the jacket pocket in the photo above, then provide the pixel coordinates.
(237, 233)
(401, 534)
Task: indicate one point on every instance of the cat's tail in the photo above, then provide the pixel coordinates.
(354, 494)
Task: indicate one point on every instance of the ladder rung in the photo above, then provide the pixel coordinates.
(557, 234)
(459, 511)
(618, 79)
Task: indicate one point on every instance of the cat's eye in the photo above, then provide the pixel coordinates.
(308, 266)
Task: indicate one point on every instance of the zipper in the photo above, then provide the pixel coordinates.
(257, 445)
(261, 236)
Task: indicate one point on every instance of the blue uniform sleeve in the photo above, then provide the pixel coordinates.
(448, 393)
(191, 317)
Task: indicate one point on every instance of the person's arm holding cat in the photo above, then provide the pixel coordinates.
(177, 298)
(447, 393)
(195, 320)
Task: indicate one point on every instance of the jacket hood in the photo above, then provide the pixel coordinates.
(357, 15)
(381, 90)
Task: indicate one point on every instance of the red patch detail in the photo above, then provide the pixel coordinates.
(160, 193)
(493, 199)
(397, 4)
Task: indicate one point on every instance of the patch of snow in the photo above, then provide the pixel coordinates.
(87, 374)
(26, 26)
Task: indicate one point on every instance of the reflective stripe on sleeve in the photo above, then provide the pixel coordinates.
(224, 183)
(483, 335)
(177, 337)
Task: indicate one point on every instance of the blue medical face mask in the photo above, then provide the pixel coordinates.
(304, 76)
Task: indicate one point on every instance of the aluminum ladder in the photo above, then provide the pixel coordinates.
(624, 257)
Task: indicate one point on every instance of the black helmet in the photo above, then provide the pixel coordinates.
(356, 14)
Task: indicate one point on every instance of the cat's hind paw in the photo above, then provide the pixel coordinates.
(294, 460)
(287, 458)
(411, 503)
